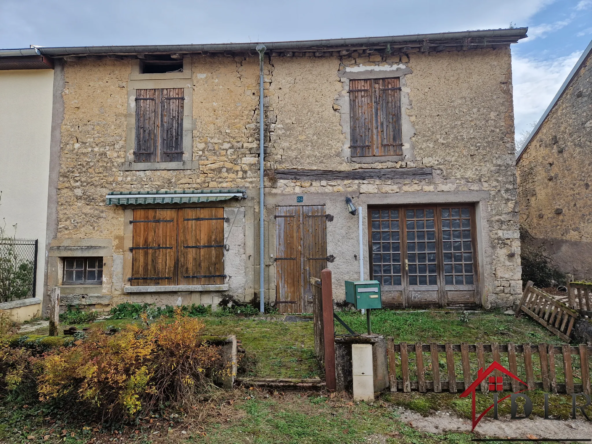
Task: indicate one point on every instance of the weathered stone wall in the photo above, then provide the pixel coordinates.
(555, 173)
(460, 107)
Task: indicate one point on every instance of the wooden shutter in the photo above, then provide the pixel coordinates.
(361, 117)
(375, 117)
(146, 125)
(201, 245)
(154, 247)
(389, 117)
(172, 105)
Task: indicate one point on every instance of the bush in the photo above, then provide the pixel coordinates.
(75, 315)
(164, 363)
(536, 268)
(128, 310)
(15, 365)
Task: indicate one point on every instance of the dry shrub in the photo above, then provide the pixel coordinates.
(15, 364)
(164, 363)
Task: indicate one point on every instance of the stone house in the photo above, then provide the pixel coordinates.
(158, 186)
(554, 175)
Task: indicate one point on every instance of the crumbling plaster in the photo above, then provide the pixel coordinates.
(554, 177)
(460, 107)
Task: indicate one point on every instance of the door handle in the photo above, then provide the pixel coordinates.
(406, 265)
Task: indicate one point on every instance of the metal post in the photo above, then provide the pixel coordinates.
(35, 268)
(368, 322)
(361, 237)
(261, 50)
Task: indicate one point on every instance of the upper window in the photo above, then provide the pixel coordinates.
(375, 117)
(161, 65)
(83, 270)
(178, 246)
(159, 125)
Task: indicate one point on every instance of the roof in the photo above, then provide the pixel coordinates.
(432, 42)
(567, 82)
(172, 197)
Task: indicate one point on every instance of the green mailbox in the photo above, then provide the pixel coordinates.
(363, 294)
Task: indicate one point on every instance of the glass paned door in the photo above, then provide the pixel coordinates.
(426, 254)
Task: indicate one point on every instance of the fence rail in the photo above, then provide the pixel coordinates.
(18, 268)
(438, 367)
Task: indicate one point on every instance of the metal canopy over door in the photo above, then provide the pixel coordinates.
(301, 254)
(424, 256)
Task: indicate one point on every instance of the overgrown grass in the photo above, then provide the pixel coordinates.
(443, 326)
(75, 315)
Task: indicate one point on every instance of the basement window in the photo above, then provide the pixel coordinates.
(160, 65)
(83, 271)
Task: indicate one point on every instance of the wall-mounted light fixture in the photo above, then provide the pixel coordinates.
(350, 206)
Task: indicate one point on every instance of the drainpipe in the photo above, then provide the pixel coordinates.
(261, 50)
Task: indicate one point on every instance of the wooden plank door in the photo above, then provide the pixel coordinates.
(314, 248)
(154, 247)
(201, 246)
(301, 252)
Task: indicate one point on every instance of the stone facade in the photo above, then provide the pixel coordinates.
(554, 176)
(459, 114)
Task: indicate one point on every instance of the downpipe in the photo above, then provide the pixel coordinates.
(261, 50)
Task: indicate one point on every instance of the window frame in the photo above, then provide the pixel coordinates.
(85, 269)
(160, 81)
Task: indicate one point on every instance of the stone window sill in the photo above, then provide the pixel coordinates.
(377, 159)
(20, 303)
(174, 288)
(147, 166)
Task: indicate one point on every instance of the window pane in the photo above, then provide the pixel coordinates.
(78, 276)
(69, 276)
(375, 214)
(69, 264)
(91, 275)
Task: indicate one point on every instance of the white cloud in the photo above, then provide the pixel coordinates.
(535, 84)
(543, 29)
(583, 4)
(585, 32)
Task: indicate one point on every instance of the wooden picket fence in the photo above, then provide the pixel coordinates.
(548, 311)
(557, 369)
(580, 298)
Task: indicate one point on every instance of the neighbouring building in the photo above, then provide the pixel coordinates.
(554, 176)
(158, 189)
(26, 96)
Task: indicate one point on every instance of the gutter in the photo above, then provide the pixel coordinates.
(499, 36)
(565, 85)
(26, 52)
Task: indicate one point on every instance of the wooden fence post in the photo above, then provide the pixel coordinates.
(328, 329)
(54, 311)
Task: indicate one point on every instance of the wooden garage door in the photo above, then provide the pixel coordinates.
(301, 254)
(178, 246)
(425, 256)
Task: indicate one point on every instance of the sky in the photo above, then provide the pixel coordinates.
(559, 30)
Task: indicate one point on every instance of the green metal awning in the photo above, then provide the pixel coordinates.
(172, 197)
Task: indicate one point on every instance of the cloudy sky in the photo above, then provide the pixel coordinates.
(559, 29)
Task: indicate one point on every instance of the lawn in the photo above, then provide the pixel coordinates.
(278, 349)
(442, 326)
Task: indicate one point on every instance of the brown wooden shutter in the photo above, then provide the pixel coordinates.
(389, 117)
(201, 244)
(146, 125)
(361, 117)
(314, 246)
(154, 247)
(172, 105)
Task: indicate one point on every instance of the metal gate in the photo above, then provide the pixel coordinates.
(301, 254)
